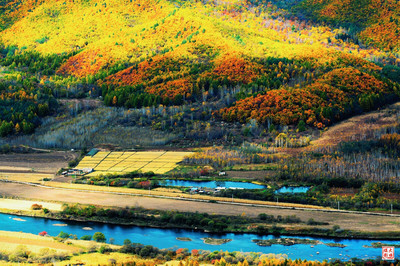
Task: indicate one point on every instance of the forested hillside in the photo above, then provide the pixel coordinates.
(280, 62)
(374, 22)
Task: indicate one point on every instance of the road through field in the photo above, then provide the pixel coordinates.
(352, 221)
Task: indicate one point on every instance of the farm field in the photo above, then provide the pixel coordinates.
(158, 162)
(170, 193)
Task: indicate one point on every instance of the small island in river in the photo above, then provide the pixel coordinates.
(293, 241)
(215, 241)
(380, 245)
(186, 239)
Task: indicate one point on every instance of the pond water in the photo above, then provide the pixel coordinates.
(292, 190)
(166, 238)
(210, 184)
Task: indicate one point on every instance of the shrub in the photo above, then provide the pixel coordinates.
(311, 221)
(335, 228)
(86, 237)
(195, 252)
(301, 126)
(20, 254)
(104, 249)
(204, 171)
(43, 233)
(73, 163)
(63, 235)
(36, 207)
(262, 216)
(291, 219)
(99, 237)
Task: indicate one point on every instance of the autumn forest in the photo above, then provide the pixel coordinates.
(279, 64)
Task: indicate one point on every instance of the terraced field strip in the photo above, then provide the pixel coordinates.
(147, 167)
(92, 161)
(122, 165)
(109, 162)
(158, 162)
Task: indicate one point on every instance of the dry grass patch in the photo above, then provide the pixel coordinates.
(9, 241)
(358, 126)
(25, 205)
(105, 259)
(169, 190)
(26, 177)
(14, 168)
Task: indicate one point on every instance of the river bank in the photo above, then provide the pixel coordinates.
(168, 239)
(243, 225)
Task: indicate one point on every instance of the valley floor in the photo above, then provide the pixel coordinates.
(353, 221)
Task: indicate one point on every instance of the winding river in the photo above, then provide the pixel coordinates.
(167, 238)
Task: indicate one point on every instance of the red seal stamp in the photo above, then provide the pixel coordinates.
(387, 253)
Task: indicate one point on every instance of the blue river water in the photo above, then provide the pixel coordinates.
(166, 238)
(210, 184)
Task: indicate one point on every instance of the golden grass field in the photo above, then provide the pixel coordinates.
(9, 241)
(12, 241)
(158, 162)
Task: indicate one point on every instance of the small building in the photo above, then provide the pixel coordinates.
(92, 152)
(194, 189)
(74, 172)
(77, 172)
(87, 170)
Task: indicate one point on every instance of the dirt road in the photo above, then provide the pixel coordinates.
(352, 221)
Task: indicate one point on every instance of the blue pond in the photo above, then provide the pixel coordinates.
(210, 184)
(292, 190)
(166, 238)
